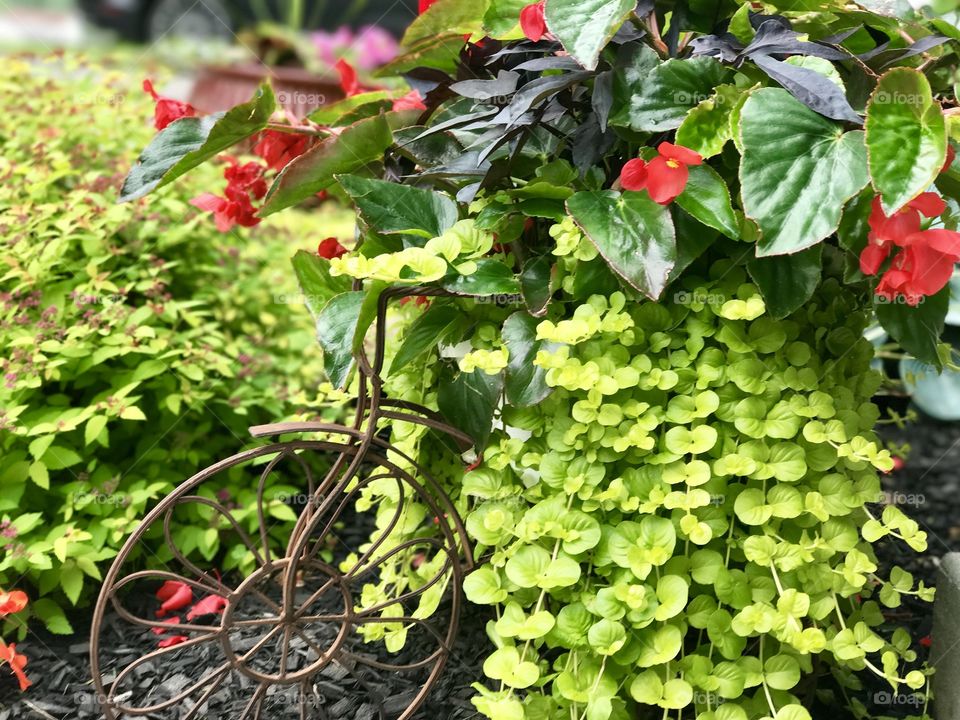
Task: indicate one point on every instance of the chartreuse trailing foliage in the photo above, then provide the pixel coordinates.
(663, 228)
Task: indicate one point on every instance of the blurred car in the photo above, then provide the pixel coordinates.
(150, 20)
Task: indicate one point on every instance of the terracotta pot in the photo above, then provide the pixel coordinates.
(219, 88)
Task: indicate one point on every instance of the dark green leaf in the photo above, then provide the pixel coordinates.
(536, 283)
(336, 327)
(798, 170)
(787, 281)
(917, 329)
(661, 99)
(584, 27)
(357, 146)
(492, 277)
(468, 402)
(390, 208)
(633, 233)
(693, 239)
(707, 198)
(166, 149)
(425, 333)
(526, 384)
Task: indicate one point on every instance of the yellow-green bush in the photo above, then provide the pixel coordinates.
(138, 343)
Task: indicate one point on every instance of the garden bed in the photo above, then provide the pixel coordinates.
(927, 488)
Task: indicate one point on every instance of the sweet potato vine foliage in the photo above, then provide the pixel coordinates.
(662, 229)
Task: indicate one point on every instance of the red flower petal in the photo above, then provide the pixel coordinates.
(944, 241)
(174, 595)
(348, 78)
(330, 248)
(930, 204)
(679, 153)
(411, 101)
(872, 258)
(932, 270)
(279, 148)
(12, 602)
(17, 663)
(634, 175)
(665, 180)
(172, 640)
(172, 620)
(533, 21)
(208, 202)
(210, 605)
(424, 5)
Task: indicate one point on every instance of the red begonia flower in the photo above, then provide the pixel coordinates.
(172, 640)
(210, 605)
(425, 5)
(12, 602)
(906, 221)
(411, 101)
(348, 78)
(922, 268)
(634, 175)
(667, 173)
(167, 109)
(228, 213)
(533, 21)
(17, 662)
(279, 148)
(873, 256)
(174, 595)
(244, 179)
(330, 248)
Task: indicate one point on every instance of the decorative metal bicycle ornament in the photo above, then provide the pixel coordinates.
(285, 638)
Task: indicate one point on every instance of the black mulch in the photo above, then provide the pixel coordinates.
(927, 489)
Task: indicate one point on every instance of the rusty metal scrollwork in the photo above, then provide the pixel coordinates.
(302, 620)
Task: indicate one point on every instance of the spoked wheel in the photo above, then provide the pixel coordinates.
(253, 616)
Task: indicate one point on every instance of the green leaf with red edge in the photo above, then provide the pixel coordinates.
(584, 27)
(906, 137)
(798, 170)
(917, 329)
(355, 147)
(634, 234)
(189, 142)
(447, 17)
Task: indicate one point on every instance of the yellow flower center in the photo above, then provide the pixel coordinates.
(673, 164)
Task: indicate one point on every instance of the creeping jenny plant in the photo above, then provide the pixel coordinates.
(663, 228)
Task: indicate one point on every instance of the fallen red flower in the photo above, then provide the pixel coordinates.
(533, 21)
(174, 595)
(12, 602)
(167, 109)
(172, 620)
(210, 605)
(330, 248)
(172, 640)
(17, 662)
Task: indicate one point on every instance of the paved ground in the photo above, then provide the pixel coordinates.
(36, 28)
